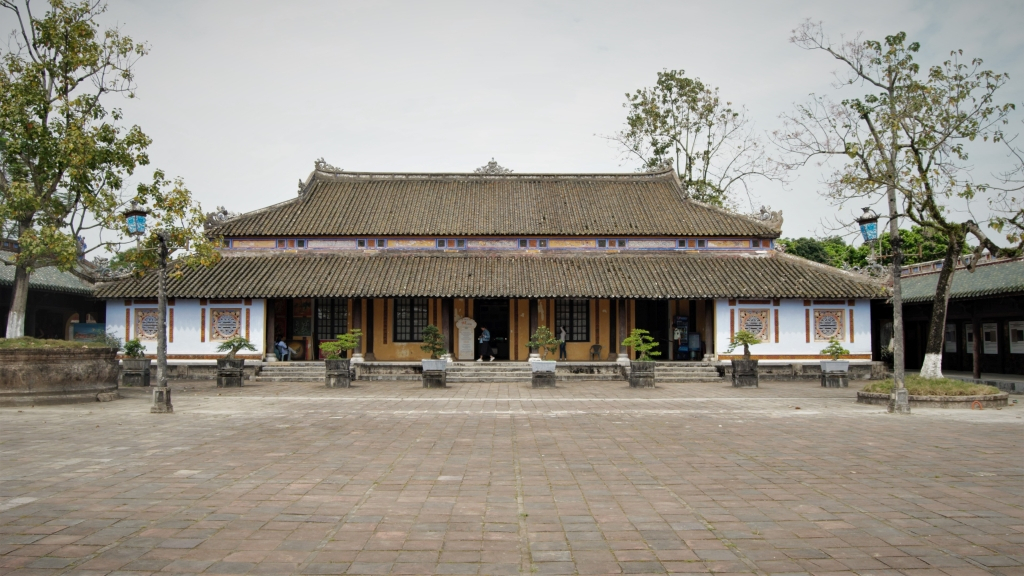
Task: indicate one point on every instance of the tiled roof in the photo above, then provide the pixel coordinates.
(47, 278)
(675, 275)
(997, 278)
(368, 204)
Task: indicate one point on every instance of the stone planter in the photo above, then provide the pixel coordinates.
(985, 401)
(338, 373)
(542, 374)
(744, 374)
(230, 372)
(135, 371)
(434, 373)
(641, 374)
(835, 373)
(57, 375)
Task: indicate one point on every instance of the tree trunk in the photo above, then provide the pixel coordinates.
(19, 303)
(899, 402)
(932, 365)
(161, 339)
(976, 348)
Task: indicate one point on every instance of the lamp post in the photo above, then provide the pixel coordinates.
(868, 221)
(136, 220)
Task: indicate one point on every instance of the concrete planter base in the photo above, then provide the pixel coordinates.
(434, 379)
(162, 401)
(641, 374)
(338, 373)
(744, 374)
(542, 379)
(986, 401)
(57, 376)
(230, 372)
(136, 371)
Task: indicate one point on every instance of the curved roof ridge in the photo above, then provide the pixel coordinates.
(339, 173)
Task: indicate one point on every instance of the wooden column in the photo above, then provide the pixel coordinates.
(314, 341)
(623, 321)
(446, 323)
(709, 326)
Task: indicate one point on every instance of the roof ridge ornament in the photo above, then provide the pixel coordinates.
(321, 165)
(492, 167)
(769, 217)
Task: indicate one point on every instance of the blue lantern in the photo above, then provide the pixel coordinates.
(136, 219)
(868, 222)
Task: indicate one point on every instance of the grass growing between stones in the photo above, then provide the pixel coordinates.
(917, 386)
(30, 342)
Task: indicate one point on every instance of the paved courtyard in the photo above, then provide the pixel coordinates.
(589, 478)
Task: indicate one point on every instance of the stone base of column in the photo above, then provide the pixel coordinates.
(899, 403)
(162, 401)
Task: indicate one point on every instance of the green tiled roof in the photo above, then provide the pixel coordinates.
(1003, 277)
(48, 278)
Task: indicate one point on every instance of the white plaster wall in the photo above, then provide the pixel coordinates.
(187, 322)
(792, 328)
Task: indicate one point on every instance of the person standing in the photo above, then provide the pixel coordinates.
(562, 336)
(484, 344)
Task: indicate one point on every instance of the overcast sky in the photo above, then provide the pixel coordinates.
(241, 97)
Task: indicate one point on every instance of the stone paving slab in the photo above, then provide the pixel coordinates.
(586, 478)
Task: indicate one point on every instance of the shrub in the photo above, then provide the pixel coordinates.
(544, 341)
(345, 342)
(917, 386)
(235, 344)
(835, 349)
(641, 341)
(745, 339)
(134, 349)
(433, 342)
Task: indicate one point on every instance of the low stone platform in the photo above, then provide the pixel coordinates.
(983, 401)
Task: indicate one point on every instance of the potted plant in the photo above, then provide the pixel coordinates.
(230, 369)
(434, 369)
(744, 372)
(336, 362)
(835, 372)
(543, 370)
(641, 371)
(135, 366)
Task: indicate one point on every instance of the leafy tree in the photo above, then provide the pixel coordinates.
(335, 349)
(544, 341)
(63, 155)
(809, 248)
(683, 122)
(906, 138)
(919, 245)
(743, 338)
(234, 345)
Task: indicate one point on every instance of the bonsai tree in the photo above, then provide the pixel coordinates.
(433, 342)
(335, 349)
(745, 339)
(134, 349)
(544, 341)
(835, 349)
(235, 344)
(641, 341)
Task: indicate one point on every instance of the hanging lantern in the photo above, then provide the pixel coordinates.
(136, 219)
(868, 222)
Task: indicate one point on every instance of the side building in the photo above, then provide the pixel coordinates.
(594, 254)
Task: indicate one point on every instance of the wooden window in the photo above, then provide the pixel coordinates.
(361, 243)
(702, 243)
(441, 242)
(542, 243)
(523, 243)
(282, 243)
(574, 316)
(331, 318)
(621, 243)
(300, 243)
(602, 243)
(410, 319)
(460, 243)
(382, 243)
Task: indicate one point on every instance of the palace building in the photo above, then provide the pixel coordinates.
(595, 254)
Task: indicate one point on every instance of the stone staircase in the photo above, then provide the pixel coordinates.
(684, 372)
(489, 372)
(291, 372)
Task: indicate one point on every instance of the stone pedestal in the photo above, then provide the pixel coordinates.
(162, 401)
(835, 379)
(230, 372)
(135, 371)
(543, 380)
(338, 373)
(641, 375)
(435, 379)
(744, 374)
(899, 402)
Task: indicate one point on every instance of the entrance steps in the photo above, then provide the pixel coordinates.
(489, 372)
(685, 372)
(291, 372)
